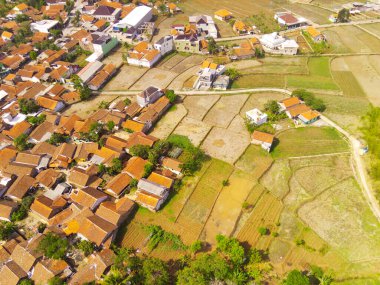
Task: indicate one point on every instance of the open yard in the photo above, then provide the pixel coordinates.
(309, 141)
(366, 71)
(346, 39)
(125, 78)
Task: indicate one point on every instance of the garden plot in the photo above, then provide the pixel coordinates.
(341, 216)
(155, 77)
(198, 106)
(180, 81)
(227, 208)
(125, 78)
(169, 121)
(193, 60)
(225, 144)
(171, 62)
(194, 129)
(366, 70)
(222, 113)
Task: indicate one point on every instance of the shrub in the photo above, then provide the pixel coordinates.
(86, 247)
(6, 229)
(263, 231)
(54, 246)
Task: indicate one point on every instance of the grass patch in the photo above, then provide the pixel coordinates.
(309, 141)
(319, 76)
(348, 83)
(254, 161)
(259, 80)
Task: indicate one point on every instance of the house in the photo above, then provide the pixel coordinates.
(6, 209)
(133, 126)
(97, 265)
(316, 35)
(309, 117)
(274, 43)
(148, 96)
(26, 253)
(97, 230)
(241, 28)
(153, 112)
(190, 43)
(151, 195)
(20, 187)
(12, 273)
(45, 208)
(160, 179)
(18, 129)
(102, 45)
(118, 185)
(140, 139)
(205, 25)
(290, 21)
(143, 54)
(89, 197)
(79, 177)
(294, 111)
(263, 139)
(289, 102)
(134, 19)
(46, 269)
(223, 15)
(173, 8)
(89, 71)
(256, 116)
(42, 132)
(172, 164)
(49, 178)
(116, 212)
(50, 103)
(43, 26)
(135, 167)
(107, 13)
(7, 36)
(37, 161)
(165, 45)
(102, 77)
(63, 156)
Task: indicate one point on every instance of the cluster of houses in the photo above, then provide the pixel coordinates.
(210, 76)
(293, 107)
(72, 195)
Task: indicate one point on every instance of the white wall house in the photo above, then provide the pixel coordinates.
(165, 45)
(256, 116)
(274, 43)
(135, 18)
(43, 26)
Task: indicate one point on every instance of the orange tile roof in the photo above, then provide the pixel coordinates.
(223, 13)
(291, 101)
(310, 115)
(298, 109)
(133, 126)
(160, 180)
(147, 199)
(135, 167)
(18, 129)
(263, 137)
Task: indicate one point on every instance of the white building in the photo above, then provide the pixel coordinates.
(43, 26)
(164, 45)
(135, 18)
(274, 43)
(205, 24)
(256, 116)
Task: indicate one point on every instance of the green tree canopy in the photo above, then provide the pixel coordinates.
(54, 246)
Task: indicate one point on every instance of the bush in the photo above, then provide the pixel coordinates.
(310, 99)
(21, 142)
(54, 246)
(140, 150)
(57, 139)
(263, 231)
(170, 95)
(22, 211)
(28, 106)
(6, 229)
(225, 183)
(86, 247)
(35, 121)
(233, 73)
(148, 169)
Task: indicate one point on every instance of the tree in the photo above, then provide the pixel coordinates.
(170, 95)
(35, 121)
(262, 231)
(22, 211)
(116, 168)
(233, 73)
(6, 229)
(86, 247)
(84, 92)
(57, 139)
(295, 277)
(232, 248)
(110, 125)
(272, 107)
(53, 246)
(56, 281)
(309, 99)
(196, 246)
(76, 19)
(28, 106)
(94, 132)
(343, 16)
(127, 101)
(33, 55)
(155, 271)
(21, 142)
(26, 282)
(148, 168)
(140, 150)
(189, 276)
(114, 277)
(212, 47)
